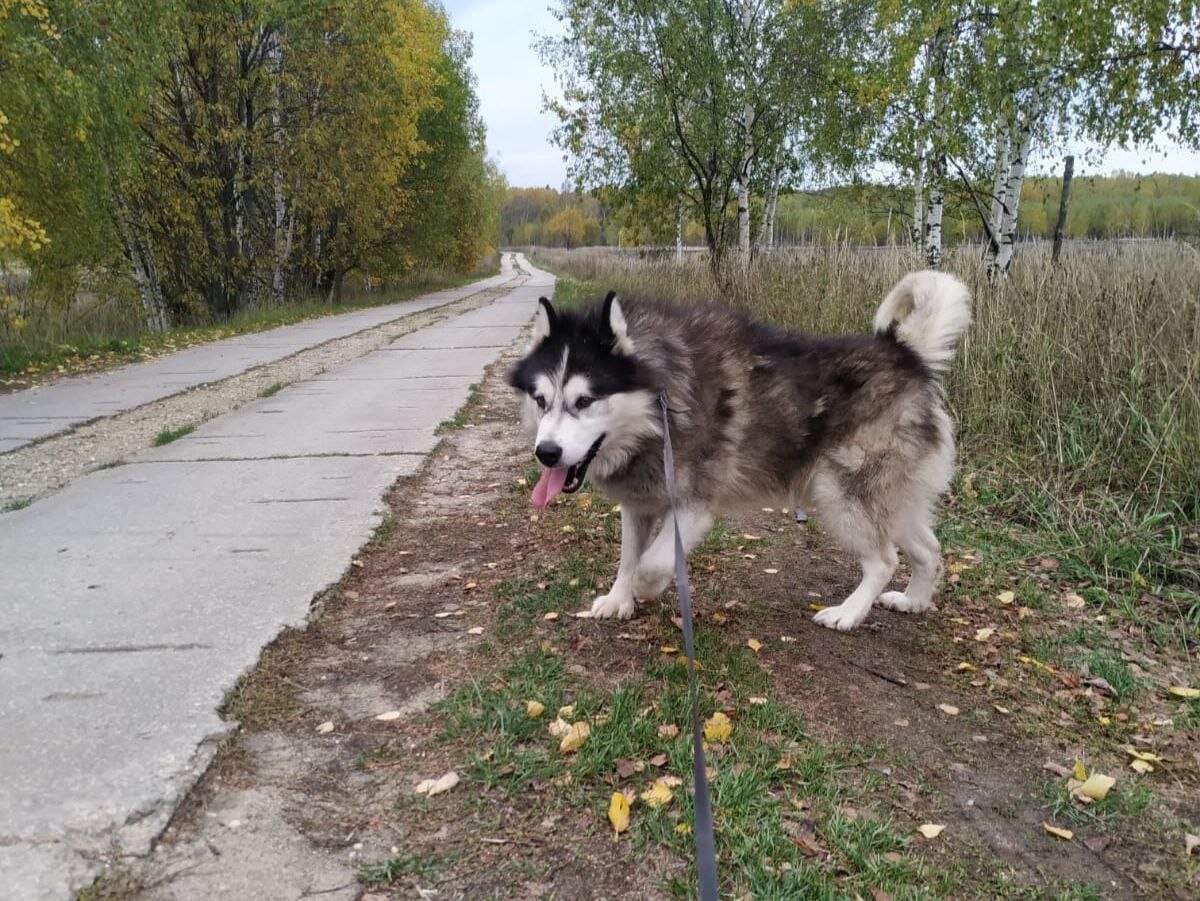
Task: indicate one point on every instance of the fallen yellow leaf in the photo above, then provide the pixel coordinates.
(1182, 692)
(433, 787)
(575, 738)
(984, 634)
(566, 711)
(1141, 766)
(669, 649)
(1066, 834)
(618, 814)
(1006, 597)
(816, 607)
(534, 709)
(965, 667)
(551, 616)
(754, 644)
(717, 727)
(559, 727)
(683, 829)
(757, 702)
(948, 709)
(931, 830)
(1078, 771)
(1142, 755)
(658, 795)
(785, 763)
(719, 618)
(668, 731)
(1096, 786)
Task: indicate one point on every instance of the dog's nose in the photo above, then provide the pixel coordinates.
(548, 453)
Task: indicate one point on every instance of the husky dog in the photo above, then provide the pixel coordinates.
(852, 428)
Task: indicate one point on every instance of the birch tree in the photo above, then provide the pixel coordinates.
(703, 88)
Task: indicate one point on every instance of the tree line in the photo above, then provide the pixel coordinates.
(710, 110)
(1102, 207)
(205, 156)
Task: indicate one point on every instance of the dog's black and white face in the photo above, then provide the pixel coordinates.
(586, 398)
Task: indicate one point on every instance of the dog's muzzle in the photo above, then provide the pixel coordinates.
(577, 472)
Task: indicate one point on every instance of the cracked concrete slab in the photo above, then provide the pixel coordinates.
(133, 600)
(37, 413)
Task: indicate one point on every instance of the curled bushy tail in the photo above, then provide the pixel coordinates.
(928, 311)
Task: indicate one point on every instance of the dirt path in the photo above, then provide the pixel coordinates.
(423, 660)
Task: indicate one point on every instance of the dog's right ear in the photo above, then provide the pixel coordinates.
(543, 323)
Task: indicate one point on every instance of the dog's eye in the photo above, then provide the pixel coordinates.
(584, 402)
(540, 401)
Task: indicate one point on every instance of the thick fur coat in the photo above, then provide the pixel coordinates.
(852, 428)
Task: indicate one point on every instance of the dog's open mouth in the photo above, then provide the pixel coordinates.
(565, 479)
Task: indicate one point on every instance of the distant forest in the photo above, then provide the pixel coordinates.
(1114, 206)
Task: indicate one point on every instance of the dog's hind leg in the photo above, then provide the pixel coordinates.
(619, 602)
(657, 567)
(920, 546)
(861, 533)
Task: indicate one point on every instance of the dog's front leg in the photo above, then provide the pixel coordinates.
(657, 566)
(635, 533)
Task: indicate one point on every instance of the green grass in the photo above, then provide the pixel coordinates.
(271, 390)
(388, 871)
(19, 503)
(166, 436)
(1125, 801)
(463, 414)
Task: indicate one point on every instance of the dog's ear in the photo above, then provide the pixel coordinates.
(543, 323)
(612, 319)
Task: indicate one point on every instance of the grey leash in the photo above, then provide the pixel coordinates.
(706, 853)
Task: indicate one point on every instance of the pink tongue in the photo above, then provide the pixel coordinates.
(549, 485)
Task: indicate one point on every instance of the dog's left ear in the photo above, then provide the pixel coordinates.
(543, 322)
(614, 321)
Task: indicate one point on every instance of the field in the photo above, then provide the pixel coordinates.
(1077, 393)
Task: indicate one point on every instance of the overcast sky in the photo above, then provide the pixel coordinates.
(511, 82)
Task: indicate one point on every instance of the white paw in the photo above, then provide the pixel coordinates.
(841, 617)
(902, 603)
(649, 583)
(609, 605)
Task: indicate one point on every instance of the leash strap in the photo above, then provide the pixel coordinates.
(706, 852)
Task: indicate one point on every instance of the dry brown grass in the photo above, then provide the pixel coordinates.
(1077, 391)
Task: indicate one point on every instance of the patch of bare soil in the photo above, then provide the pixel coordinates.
(970, 741)
(340, 722)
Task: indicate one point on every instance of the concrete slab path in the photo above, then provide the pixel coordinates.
(36, 413)
(131, 601)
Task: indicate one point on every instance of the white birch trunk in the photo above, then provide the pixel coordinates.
(772, 206)
(918, 223)
(1003, 150)
(679, 232)
(1002, 260)
(933, 228)
(743, 194)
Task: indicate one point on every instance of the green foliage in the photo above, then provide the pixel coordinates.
(190, 160)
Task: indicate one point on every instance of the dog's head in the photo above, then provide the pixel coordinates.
(587, 399)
